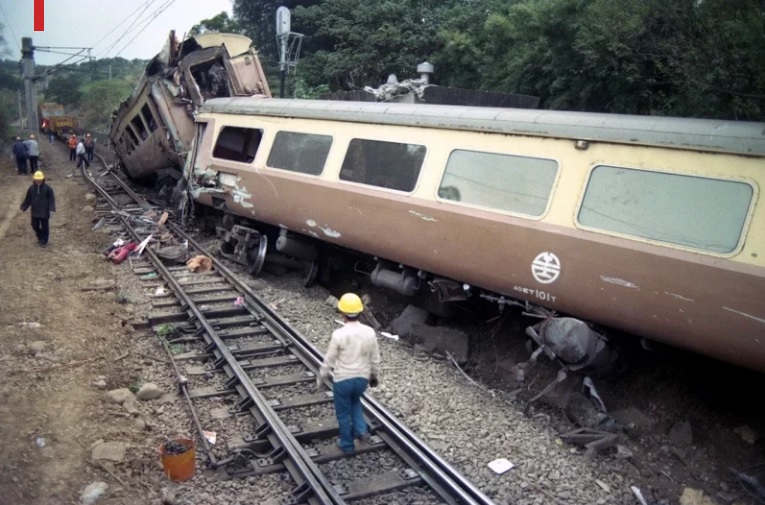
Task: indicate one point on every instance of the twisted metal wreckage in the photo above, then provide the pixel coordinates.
(152, 130)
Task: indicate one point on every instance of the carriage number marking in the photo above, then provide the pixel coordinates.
(542, 295)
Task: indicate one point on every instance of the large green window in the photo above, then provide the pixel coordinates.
(516, 184)
(695, 212)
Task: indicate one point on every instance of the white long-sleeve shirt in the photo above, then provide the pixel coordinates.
(80, 148)
(353, 352)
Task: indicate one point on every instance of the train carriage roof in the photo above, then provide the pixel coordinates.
(686, 133)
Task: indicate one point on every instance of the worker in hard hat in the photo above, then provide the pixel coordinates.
(33, 152)
(352, 361)
(72, 143)
(89, 146)
(41, 199)
(20, 152)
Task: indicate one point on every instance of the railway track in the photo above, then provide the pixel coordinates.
(237, 349)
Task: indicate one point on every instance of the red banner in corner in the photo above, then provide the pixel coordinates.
(39, 15)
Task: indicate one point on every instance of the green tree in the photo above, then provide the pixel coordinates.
(220, 23)
(353, 43)
(65, 89)
(100, 99)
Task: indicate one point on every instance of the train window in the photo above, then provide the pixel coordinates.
(696, 212)
(148, 117)
(139, 127)
(384, 164)
(300, 152)
(504, 182)
(237, 144)
(132, 137)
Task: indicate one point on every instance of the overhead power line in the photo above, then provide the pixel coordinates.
(8, 24)
(126, 32)
(152, 17)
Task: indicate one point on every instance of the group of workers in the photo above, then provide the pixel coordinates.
(82, 150)
(29, 150)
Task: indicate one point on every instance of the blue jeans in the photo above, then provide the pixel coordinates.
(350, 417)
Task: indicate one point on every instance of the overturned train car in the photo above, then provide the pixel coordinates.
(151, 131)
(649, 225)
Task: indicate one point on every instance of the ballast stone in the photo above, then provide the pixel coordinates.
(149, 391)
(119, 396)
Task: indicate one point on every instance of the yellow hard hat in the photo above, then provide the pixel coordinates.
(350, 304)
(39, 176)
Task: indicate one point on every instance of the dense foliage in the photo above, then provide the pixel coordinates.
(701, 58)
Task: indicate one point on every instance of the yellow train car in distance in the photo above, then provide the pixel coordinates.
(650, 225)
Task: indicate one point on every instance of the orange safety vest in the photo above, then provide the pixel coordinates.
(72, 143)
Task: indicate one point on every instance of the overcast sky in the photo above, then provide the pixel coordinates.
(84, 23)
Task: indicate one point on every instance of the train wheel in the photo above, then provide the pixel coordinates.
(257, 256)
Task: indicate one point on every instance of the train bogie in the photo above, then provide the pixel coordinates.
(648, 225)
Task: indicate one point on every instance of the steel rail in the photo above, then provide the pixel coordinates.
(323, 489)
(448, 475)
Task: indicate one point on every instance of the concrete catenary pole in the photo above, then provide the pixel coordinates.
(28, 69)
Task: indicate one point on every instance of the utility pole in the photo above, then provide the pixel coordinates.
(28, 68)
(282, 34)
(21, 113)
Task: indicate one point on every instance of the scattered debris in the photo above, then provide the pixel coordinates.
(149, 391)
(681, 433)
(603, 485)
(93, 492)
(751, 485)
(239, 301)
(160, 291)
(443, 340)
(99, 384)
(479, 386)
(99, 285)
(389, 335)
(747, 434)
(37, 346)
(173, 448)
(40, 442)
(593, 440)
(199, 264)
(500, 466)
(162, 219)
(632, 419)
(110, 451)
(31, 325)
(692, 496)
(410, 316)
(623, 452)
(210, 436)
(119, 396)
(638, 495)
(590, 386)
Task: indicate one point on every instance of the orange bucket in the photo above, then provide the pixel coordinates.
(179, 467)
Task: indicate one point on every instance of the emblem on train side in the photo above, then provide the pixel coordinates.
(545, 267)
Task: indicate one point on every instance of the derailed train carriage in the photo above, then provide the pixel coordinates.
(649, 225)
(151, 131)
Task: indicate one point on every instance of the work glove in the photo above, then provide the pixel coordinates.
(373, 382)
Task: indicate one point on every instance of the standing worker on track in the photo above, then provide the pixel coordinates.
(33, 151)
(20, 152)
(82, 157)
(89, 147)
(43, 202)
(353, 360)
(72, 143)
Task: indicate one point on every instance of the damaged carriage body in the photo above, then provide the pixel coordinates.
(152, 130)
(649, 225)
